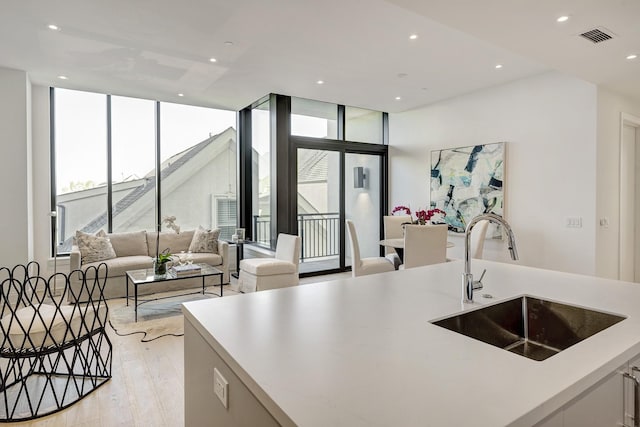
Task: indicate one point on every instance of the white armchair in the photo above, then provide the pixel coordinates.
(258, 274)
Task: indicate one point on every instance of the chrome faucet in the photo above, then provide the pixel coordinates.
(468, 284)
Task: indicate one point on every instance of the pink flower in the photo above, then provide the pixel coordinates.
(401, 208)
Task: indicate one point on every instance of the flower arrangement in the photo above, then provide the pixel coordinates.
(401, 208)
(422, 217)
(425, 216)
(160, 262)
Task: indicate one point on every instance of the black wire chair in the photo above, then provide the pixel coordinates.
(52, 354)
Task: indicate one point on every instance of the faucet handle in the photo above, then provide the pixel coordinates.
(477, 284)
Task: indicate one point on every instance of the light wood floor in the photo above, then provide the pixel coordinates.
(147, 387)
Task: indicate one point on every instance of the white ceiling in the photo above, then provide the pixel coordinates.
(361, 49)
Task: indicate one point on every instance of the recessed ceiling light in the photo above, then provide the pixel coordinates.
(633, 56)
(398, 98)
(181, 94)
(53, 27)
(213, 60)
(402, 75)
(563, 18)
(227, 43)
(63, 77)
(498, 66)
(413, 36)
(320, 82)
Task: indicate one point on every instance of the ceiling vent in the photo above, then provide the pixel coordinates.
(598, 35)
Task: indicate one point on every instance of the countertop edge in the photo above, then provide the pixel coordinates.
(280, 416)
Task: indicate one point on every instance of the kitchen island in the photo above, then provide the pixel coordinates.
(363, 352)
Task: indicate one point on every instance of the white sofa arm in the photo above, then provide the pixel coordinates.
(74, 258)
(223, 250)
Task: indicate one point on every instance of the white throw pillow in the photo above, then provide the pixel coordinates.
(205, 240)
(94, 248)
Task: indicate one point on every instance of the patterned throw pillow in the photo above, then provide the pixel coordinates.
(94, 248)
(205, 240)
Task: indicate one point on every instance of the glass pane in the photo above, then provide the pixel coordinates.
(362, 205)
(314, 118)
(133, 163)
(319, 209)
(81, 163)
(363, 125)
(198, 154)
(261, 175)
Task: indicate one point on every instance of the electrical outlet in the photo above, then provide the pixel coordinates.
(221, 387)
(604, 222)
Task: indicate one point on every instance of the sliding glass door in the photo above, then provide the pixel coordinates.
(333, 185)
(363, 195)
(319, 209)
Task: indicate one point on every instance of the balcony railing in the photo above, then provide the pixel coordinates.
(320, 233)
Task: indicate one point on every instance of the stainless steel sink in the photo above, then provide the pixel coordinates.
(530, 326)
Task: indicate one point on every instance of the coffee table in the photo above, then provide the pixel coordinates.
(146, 276)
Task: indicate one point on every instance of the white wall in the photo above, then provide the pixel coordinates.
(610, 109)
(15, 166)
(549, 122)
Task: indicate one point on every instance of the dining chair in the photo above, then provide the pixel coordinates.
(478, 235)
(365, 266)
(424, 245)
(393, 230)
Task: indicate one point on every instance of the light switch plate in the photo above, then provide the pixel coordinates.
(573, 222)
(221, 387)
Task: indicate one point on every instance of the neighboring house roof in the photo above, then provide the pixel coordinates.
(312, 166)
(168, 167)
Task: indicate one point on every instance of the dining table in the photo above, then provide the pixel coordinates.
(398, 245)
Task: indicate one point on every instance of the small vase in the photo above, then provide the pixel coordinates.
(160, 269)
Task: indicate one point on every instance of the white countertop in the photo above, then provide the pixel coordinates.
(362, 352)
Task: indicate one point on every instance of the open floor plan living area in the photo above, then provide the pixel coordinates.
(302, 213)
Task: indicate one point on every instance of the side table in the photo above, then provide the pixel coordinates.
(239, 253)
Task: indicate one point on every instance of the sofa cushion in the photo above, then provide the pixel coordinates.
(130, 243)
(175, 242)
(205, 240)
(94, 248)
(120, 265)
(267, 266)
(211, 259)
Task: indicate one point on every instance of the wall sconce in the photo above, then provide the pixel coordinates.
(358, 177)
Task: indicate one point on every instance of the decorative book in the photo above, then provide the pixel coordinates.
(187, 269)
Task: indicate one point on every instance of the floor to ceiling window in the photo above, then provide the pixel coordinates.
(96, 136)
(202, 142)
(133, 150)
(80, 162)
(261, 173)
(315, 146)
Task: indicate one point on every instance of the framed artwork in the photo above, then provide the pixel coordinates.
(467, 182)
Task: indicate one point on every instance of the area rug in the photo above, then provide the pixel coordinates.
(156, 319)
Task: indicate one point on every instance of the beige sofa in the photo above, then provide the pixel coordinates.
(136, 250)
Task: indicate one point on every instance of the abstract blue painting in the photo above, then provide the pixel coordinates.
(468, 181)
